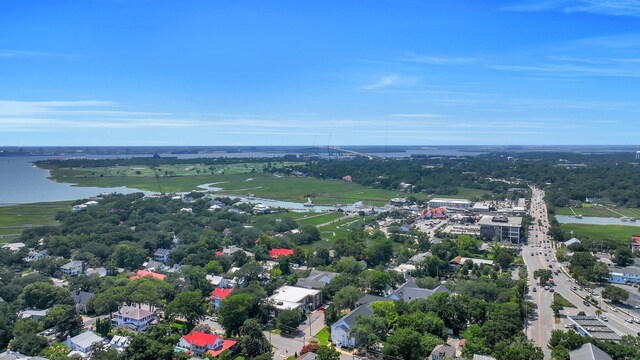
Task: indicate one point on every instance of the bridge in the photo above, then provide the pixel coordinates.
(336, 150)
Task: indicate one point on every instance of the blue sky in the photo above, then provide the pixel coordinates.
(230, 72)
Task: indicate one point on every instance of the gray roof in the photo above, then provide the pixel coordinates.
(410, 291)
(417, 258)
(369, 299)
(483, 357)
(72, 264)
(86, 339)
(162, 252)
(316, 279)
(308, 356)
(444, 349)
(629, 270)
(81, 297)
(12, 355)
(351, 317)
(589, 351)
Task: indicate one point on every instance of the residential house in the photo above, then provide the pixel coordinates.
(276, 253)
(14, 246)
(340, 330)
(101, 271)
(459, 260)
(217, 296)
(200, 343)
(405, 269)
(161, 255)
(442, 352)
(72, 268)
(230, 250)
(292, 297)
(571, 242)
(35, 255)
(217, 281)
(410, 291)
(37, 315)
(119, 343)
(419, 258)
(84, 343)
(132, 318)
(635, 243)
(152, 265)
(12, 355)
(81, 299)
(316, 279)
(145, 273)
(588, 351)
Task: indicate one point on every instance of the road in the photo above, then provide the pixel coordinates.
(543, 257)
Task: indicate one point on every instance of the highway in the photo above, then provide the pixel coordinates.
(542, 248)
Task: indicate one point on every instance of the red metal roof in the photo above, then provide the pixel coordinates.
(144, 273)
(276, 253)
(226, 344)
(201, 339)
(220, 293)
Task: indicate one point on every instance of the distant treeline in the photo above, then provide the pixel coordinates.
(154, 161)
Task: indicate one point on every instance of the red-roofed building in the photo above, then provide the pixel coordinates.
(217, 296)
(439, 213)
(145, 273)
(276, 253)
(635, 243)
(198, 343)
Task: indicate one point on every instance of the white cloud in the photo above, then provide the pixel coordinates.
(602, 7)
(382, 82)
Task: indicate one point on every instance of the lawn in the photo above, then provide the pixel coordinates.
(15, 218)
(323, 336)
(285, 188)
(600, 211)
(621, 233)
(559, 299)
(318, 219)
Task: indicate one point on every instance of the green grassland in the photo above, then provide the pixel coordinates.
(15, 218)
(620, 233)
(238, 180)
(600, 211)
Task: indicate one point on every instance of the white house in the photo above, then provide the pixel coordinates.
(35, 255)
(293, 297)
(161, 255)
(84, 343)
(72, 268)
(133, 318)
(341, 328)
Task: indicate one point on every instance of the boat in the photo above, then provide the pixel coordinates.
(632, 219)
(625, 219)
(579, 216)
(309, 203)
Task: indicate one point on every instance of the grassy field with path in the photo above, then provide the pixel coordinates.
(285, 188)
(600, 211)
(15, 218)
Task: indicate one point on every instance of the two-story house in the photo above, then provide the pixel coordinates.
(72, 268)
(217, 296)
(133, 318)
(161, 255)
(83, 344)
(199, 343)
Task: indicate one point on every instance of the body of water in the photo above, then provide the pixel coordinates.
(593, 220)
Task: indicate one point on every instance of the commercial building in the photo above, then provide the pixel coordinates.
(449, 203)
(293, 297)
(628, 275)
(588, 351)
(592, 326)
(502, 228)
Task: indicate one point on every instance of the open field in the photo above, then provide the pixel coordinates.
(14, 219)
(464, 193)
(600, 211)
(285, 188)
(616, 232)
(319, 219)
